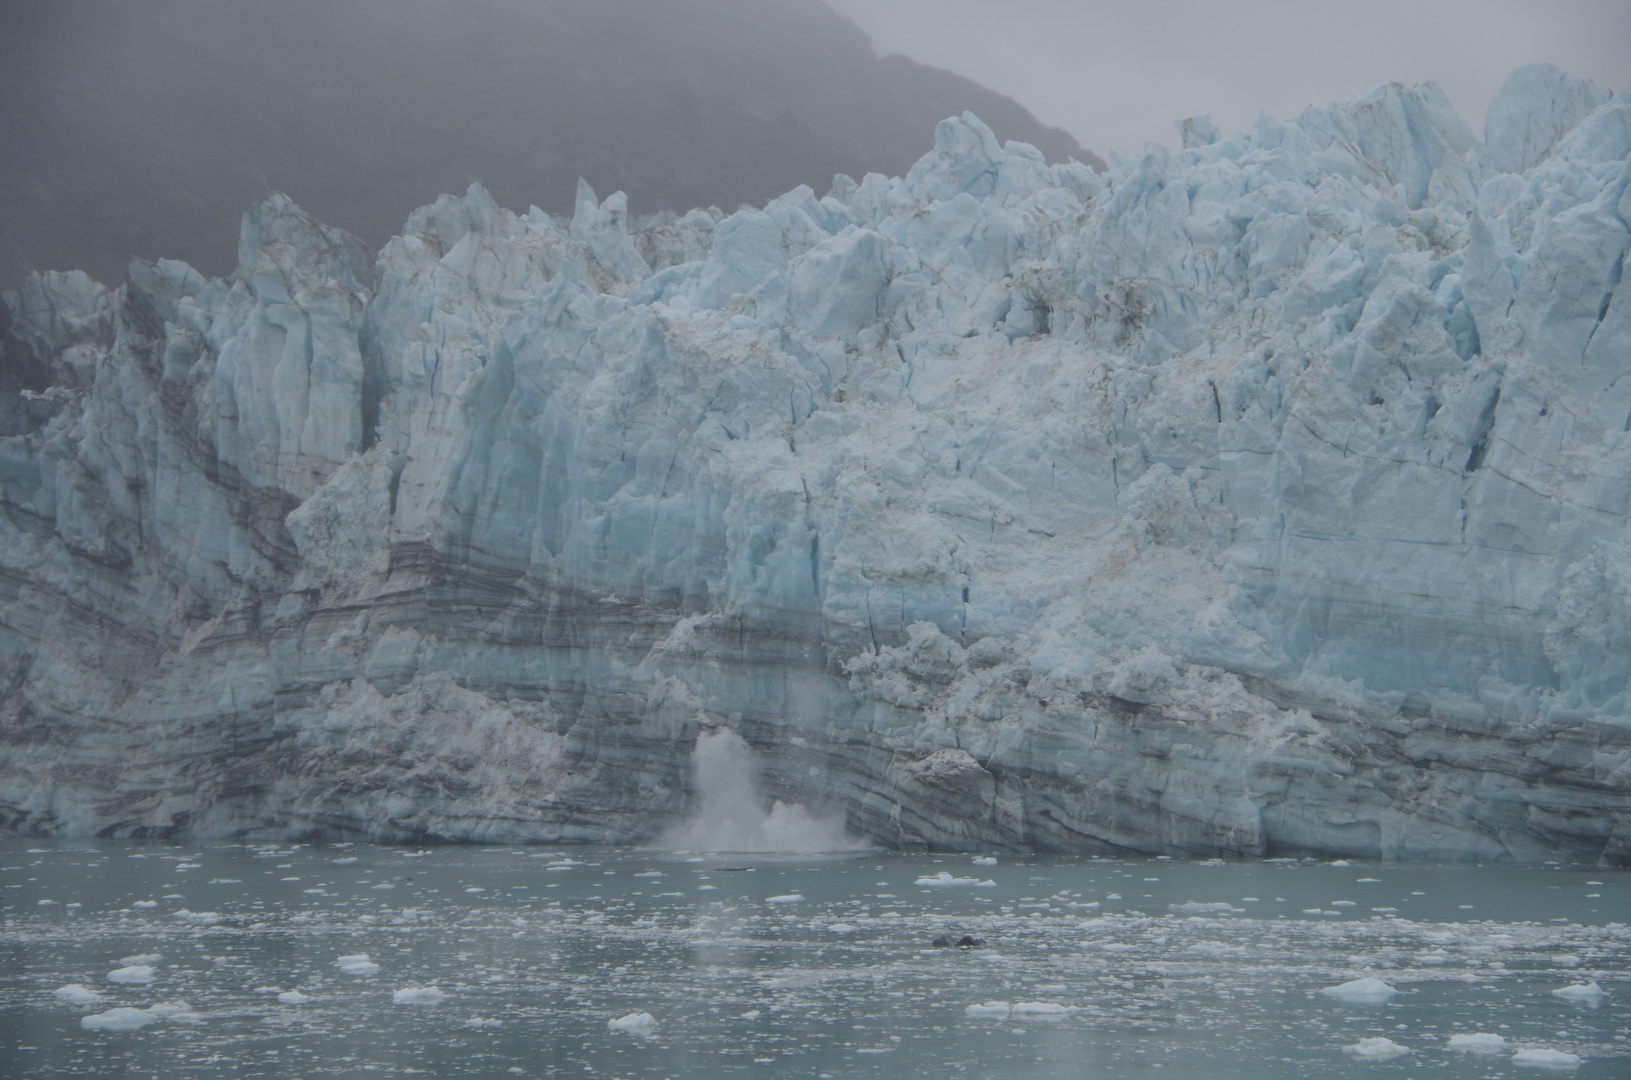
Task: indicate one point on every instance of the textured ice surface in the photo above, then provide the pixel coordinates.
(1481, 1043)
(120, 1019)
(1545, 1058)
(1361, 990)
(1263, 493)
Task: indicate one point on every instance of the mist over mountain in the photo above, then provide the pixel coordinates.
(144, 128)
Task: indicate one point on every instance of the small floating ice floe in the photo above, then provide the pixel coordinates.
(751, 1014)
(145, 903)
(840, 928)
(650, 873)
(1379, 1048)
(985, 860)
(142, 958)
(177, 1012)
(118, 1020)
(785, 898)
(990, 1008)
(1481, 1043)
(197, 918)
(479, 1022)
(1540, 1057)
(75, 994)
(642, 1023)
(944, 878)
(133, 975)
(1203, 909)
(1038, 1008)
(347, 861)
(1579, 992)
(1361, 990)
(1566, 960)
(417, 995)
(357, 964)
(293, 997)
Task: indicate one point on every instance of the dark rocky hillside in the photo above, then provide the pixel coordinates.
(145, 127)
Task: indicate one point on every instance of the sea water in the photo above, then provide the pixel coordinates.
(498, 962)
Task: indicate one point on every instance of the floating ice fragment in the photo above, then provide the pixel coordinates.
(1580, 992)
(357, 964)
(197, 918)
(145, 903)
(142, 958)
(417, 995)
(1546, 1059)
(268, 990)
(1361, 990)
(479, 1022)
(1567, 960)
(293, 997)
(841, 928)
(118, 1020)
(943, 878)
(1341, 862)
(1202, 909)
(1379, 1048)
(1481, 1043)
(984, 860)
(1211, 862)
(75, 994)
(990, 1008)
(1038, 1008)
(642, 1023)
(751, 1014)
(650, 873)
(133, 975)
(785, 898)
(177, 1012)
(475, 889)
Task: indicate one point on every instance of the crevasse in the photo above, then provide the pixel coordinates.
(1265, 494)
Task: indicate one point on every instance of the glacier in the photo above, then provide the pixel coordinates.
(1261, 494)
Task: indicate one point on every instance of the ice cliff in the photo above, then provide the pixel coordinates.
(1263, 494)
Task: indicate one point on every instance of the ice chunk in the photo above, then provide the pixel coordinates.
(118, 1020)
(984, 860)
(785, 898)
(75, 994)
(990, 1008)
(133, 975)
(177, 1012)
(1580, 992)
(1481, 1043)
(145, 904)
(357, 964)
(1361, 990)
(1038, 1008)
(840, 928)
(751, 1014)
(418, 995)
(943, 878)
(293, 997)
(1565, 960)
(141, 958)
(1379, 1048)
(1202, 909)
(479, 1022)
(641, 1023)
(1546, 1059)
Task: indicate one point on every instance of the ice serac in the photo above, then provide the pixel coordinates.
(1264, 495)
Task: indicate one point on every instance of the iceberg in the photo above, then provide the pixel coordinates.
(1262, 493)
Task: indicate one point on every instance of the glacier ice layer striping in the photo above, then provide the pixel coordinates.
(1268, 493)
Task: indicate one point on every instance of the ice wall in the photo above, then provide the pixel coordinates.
(1263, 494)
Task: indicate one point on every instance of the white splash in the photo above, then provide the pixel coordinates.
(732, 814)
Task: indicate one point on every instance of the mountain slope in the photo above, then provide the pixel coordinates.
(144, 127)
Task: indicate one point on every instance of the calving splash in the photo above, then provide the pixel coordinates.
(731, 813)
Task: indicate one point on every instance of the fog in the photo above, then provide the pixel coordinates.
(1117, 74)
(145, 127)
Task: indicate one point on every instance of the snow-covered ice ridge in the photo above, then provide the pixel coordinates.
(1266, 493)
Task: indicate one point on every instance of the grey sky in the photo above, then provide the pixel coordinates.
(1118, 74)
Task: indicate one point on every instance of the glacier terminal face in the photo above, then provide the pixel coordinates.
(1265, 495)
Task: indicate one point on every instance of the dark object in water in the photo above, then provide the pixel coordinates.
(946, 941)
(733, 869)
